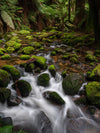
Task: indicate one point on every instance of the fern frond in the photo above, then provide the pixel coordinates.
(7, 19)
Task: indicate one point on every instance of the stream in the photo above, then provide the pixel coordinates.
(37, 115)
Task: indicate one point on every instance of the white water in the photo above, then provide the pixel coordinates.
(64, 119)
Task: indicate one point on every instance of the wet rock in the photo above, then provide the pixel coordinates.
(52, 70)
(81, 100)
(29, 67)
(93, 93)
(6, 121)
(4, 78)
(64, 73)
(72, 83)
(43, 80)
(4, 94)
(23, 86)
(54, 97)
(44, 123)
(13, 71)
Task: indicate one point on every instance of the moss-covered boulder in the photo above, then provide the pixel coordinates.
(52, 70)
(29, 67)
(37, 45)
(4, 94)
(93, 93)
(40, 61)
(90, 56)
(13, 71)
(43, 80)
(95, 74)
(10, 50)
(72, 83)
(28, 50)
(6, 57)
(24, 57)
(81, 100)
(24, 32)
(23, 86)
(54, 97)
(53, 53)
(4, 78)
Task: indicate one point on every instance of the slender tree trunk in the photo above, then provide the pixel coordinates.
(80, 11)
(69, 12)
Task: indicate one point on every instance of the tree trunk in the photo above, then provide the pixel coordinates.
(80, 11)
(69, 5)
(95, 13)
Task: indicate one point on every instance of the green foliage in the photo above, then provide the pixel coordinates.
(6, 129)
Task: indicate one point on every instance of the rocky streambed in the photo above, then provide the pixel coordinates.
(47, 85)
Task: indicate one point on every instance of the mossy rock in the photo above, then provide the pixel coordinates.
(53, 53)
(90, 56)
(24, 32)
(28, 50)
(10, 50)
(23, 86)
(93, 93)
(13, 71)
(64, 73)
(29, 67)
(37, 45)
(74, 60)
(43, 80)
(95, 74)
(40, 61)
(2, 51)
(29, 37)
(52, 70)
(72, 83)
(24, 57)
(4, 78)
(4, 94)
(6, 57)
(54, 97)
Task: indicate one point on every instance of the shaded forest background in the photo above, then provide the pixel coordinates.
(39, 14)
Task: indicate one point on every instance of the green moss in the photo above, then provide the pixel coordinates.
(93, 93)
(13, 71)
(1, 41)
(74, 60)
(43, 80)
(66, 56)
(52, 70)
(10, 50)
(90, 57)
(95, 74)
(54, 97)
(24, 32)
(42, 48)
(37, 44)
(53, 53)
(57, 49)
(64, 73)
(23, 86)
(6, 57)
(40, 61)
(29, 37)
(24, 57)
(2, 51)
(4, 94)
(4, 78)
(28, 50)
(29, 67)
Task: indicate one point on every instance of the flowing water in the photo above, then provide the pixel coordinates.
(37, 115)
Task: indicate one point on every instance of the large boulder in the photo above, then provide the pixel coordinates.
(95, 74)
(13, 71)
(93, 93)
(43, 80)
(4, 78)
(54, 97)
(4, 94)
(23, 86)
(72, 83)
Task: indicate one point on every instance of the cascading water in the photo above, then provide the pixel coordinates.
(37, 115)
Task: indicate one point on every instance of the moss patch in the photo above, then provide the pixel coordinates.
(24, 57)
(52, 70)
(28, 50)
(6, 57)
(13, 71)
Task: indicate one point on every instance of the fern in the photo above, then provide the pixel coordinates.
(7, 19)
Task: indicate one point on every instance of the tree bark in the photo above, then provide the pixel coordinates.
(69, 13)
(80, 11)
